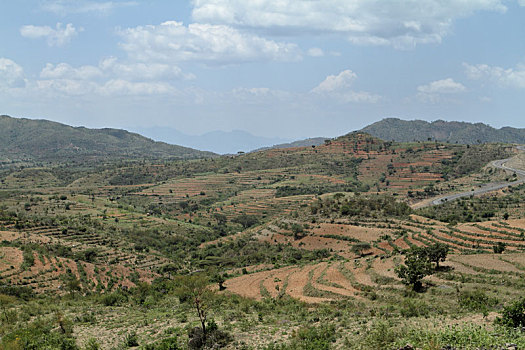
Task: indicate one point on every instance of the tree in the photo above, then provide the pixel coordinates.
(499, 248)
(298, 231)
(246, 220)
(360, 247)
(194, 289)
(417, 266)
(436, 253)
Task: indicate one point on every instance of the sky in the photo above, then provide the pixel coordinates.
(276, 68)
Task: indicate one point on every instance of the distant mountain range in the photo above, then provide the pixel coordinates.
(43, 140)
(454, 132)
(47, 141)
(222, 142)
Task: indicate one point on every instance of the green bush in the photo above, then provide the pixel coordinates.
(476, 300)
(513, 315)
(38, 335)
(114, 299)
(164, 344)
(309, 338)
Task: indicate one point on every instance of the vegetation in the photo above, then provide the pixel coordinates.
(296, 248)
(443, 131)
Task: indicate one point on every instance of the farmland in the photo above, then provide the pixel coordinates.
(294, 244)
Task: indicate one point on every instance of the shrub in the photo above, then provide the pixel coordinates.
(476, 300)
(131, 340)
(513, 315)
(113, 299)
(164, 344)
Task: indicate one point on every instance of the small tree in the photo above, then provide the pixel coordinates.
(499, 248)
(416, 267)
(360, 247)
(436, 253)
(298, 231)
(194, 289)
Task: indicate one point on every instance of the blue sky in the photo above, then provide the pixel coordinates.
(279, 68)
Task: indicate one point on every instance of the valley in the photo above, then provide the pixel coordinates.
(292, 243)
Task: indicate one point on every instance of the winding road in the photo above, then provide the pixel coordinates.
(500, 164)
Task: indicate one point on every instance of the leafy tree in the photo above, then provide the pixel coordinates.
(298, 231)
(246, 220)
(416, 267)
(360, 248)
(499, 248)
(194, 289)
(436, 253)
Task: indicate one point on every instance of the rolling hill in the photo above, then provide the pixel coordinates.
(42, 140)
(454, 132)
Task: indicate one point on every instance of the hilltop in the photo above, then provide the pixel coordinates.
(314, 141)
(43, 140)
(454, 132)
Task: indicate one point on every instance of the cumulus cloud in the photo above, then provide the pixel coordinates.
(124, 87)
(65, 71)
(315, 52)
(338, 87)
(401, 24)
(11, 74)
(55, 37)
(436, 91)
(510, 77)
(336, 82)
(112, 68)
(445, 86)
(111, 77)
(213, 44)
(65, 7)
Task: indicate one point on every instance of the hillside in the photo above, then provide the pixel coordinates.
(454, 132)
(101, 256)
(42, 140)
(314, 141)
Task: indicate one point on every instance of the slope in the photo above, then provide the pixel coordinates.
(454, 132)
(42, 140)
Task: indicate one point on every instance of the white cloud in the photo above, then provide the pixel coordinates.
(65, 7)
(124, 87)
(112, 68)
(111, 77)
(65, 71)
(336, 82)
(338, 88)
(401, 24)
(11, 74)
(510, 77)
(445, 86)
(55, 37)
(437, 91)
(68, 87)
(315, 52)
(213, 44)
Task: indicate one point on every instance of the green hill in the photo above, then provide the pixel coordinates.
(453, 132)
(42, 140)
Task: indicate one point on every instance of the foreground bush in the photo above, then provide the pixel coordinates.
(513, 315)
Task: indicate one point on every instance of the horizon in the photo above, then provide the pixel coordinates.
(234, 141)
